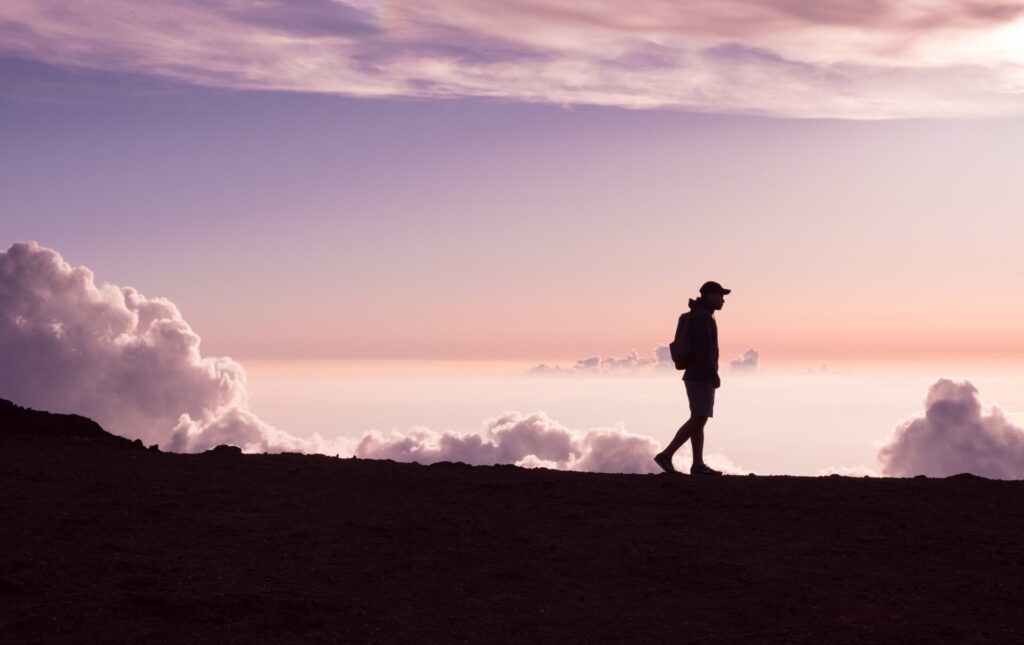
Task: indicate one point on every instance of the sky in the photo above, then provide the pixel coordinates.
(528, 182)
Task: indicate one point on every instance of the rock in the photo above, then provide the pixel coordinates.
(224, 449)
(450, 464)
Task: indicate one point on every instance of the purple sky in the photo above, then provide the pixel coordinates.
(468, 211)
(834, 58)
(537, 181)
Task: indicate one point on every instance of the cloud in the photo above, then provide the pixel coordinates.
(129, 362)
(631, 362)
(530, 440)
(134, 365)
(747, 362)
(841, 59)
(955, 436)
(663, 356)
(720, 462)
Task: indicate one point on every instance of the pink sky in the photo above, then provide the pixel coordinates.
(461, 179)
(135, 365)
(432, 198)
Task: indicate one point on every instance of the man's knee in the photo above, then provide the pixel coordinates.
(698, 420)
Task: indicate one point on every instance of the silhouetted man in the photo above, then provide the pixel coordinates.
(701, 377)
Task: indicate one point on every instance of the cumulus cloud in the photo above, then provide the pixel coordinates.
(130, 362)
(631, 362)
(954, 436)
(746, 363)
(530, 440)
(891, 58)
(134, 365)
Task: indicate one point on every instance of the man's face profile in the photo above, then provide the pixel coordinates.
(716, 300)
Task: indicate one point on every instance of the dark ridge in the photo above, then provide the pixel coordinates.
(966, 476)
(102, 544)
(224, 450)
(15, 419)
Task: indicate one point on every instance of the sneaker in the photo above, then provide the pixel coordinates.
(664, 463)
(703, 469)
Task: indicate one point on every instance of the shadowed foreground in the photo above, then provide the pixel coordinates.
(104, 540)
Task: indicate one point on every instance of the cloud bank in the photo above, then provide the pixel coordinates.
(746, 363)
(631, 362)
(889, 58)
(530, 440)
(955, 436)
(129, 362)
(134, 365)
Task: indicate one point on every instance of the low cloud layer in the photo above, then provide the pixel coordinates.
(746, 363)
(130, 362)
(955, 436)
(134, 365)
(889, 58)
(529, 440)
(631, 362)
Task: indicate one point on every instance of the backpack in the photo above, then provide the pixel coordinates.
(680, 348)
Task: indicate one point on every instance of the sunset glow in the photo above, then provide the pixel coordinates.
(525, 321)
(387, 188)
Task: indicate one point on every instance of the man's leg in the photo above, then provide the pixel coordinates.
(693, 428)
(697, 441)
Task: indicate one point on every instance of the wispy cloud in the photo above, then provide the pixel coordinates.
(824, 59)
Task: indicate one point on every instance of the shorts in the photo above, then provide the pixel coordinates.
(702, 398)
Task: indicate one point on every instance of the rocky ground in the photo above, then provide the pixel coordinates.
(103, 540)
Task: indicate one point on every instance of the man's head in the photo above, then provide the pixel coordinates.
(714, 294)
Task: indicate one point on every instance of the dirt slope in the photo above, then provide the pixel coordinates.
(102, 540)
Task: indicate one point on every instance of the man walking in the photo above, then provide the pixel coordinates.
(701, 377)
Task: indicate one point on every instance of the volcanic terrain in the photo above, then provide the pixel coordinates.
(104, 540)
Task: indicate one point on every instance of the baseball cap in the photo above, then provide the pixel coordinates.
(713, 287)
